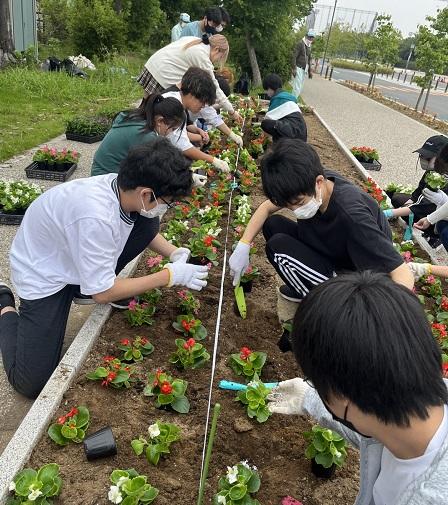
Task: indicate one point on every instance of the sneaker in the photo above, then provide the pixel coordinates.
(289, 294)
(433, 241)
(81, 299)
(122, 304)
(6, 296)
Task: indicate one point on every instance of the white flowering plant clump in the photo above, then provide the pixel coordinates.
(238, 485)
(160, 437)
(31, 486)
(17, 195)
(130, 488)
(243, 211)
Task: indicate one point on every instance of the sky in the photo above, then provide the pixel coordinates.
(406, 14)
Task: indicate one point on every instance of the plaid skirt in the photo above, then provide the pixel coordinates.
(149, 84)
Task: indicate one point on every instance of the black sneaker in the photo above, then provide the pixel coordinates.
(6, 296)
(122, 304)
(81, 299)
(289, 294)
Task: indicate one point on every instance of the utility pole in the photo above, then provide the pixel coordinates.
(410, 55)
(328, 38)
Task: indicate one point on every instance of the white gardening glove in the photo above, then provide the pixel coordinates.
(239, 261)
(419, 269)
(238, 139)
(180, 255)
(221, 165)
(199, 180)
(287, 397)
(438, 198)
(190, 276)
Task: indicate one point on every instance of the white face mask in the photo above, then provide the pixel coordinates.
(158, 211)
(310, 208)
(427, 164)
(219, 29)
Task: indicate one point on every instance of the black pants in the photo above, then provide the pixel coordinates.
(300, 266)
(292, 126)
(31, 341)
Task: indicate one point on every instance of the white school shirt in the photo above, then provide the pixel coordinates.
(396, 474)
(178, 137)
(71, 234)
(210, 115)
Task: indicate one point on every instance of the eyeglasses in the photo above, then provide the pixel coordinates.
(308, 381)
(170, 205)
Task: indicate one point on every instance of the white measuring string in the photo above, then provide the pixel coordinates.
(219, 314)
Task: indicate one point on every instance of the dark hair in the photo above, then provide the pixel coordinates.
(199, 83)
(225, 16)
(289, 169)
(170, 109)
(158, 165)
(272, 81)
(223, 84)
(441, 163)
(213, 14)
(366, 338)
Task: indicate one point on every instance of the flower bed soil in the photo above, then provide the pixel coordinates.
(275, 447)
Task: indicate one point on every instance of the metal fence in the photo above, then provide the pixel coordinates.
(355, 19)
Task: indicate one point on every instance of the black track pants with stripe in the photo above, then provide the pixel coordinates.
(300, 266)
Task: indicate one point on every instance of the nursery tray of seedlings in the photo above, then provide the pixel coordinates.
(14, 218)
(86, 139)
(375, 165)
(34, 172)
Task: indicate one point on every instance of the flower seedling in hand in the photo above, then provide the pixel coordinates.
(140, 313)
(435, 181)
(130, 488)
(189, 354)
(250, 274)
(71, 427)
(247, 362)
(155, 263)
(431, 286)
(161, 436)
(188, 304)
(254, 396)
(238, 485)
(326, 447)
(31, 486)
(135, 350)
(190, 327)
(168, 391)
(114, 373)
(204, 246)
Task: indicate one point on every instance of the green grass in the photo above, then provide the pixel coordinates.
(354, 65)
(35, 104)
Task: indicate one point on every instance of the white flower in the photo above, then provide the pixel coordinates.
(35, 493)
(121, 481)
(114, 494)
(232, 474)
(154, 430)
(245, 463)
(185, 223)
(222, 499)
(337, 454)
(12, 486)
(253, 384)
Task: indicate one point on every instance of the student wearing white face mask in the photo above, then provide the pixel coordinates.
(338, 227)
(78, 235)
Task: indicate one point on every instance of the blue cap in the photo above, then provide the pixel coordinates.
(185, 17)
(311, 33)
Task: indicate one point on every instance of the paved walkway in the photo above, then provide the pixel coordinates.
(13, 407)
(360, 121)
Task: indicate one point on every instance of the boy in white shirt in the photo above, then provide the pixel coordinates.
(76, 235)
(374, 374)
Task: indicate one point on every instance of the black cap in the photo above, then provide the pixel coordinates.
(432, 146)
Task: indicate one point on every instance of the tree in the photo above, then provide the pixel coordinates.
(261, 23)
(55, 15)
(145, 22)
(431, 53)
(382, 46)
(6, 39)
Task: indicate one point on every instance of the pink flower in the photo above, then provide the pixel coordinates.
(53, 151)
(154, 261)
(182, 294)
(132, 305)
(45, 149)
(430, 279)
(209, 265)
(214, 249)
(407, 256)
(74, 153)
(249, 269)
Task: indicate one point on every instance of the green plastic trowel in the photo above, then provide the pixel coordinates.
(240, 301)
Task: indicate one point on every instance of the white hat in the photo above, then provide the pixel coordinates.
(185, 17)
(311, 33)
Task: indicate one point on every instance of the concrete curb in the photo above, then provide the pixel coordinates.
(35, 423)
(439, 255)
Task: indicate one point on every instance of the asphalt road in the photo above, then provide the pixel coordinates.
(408, 95)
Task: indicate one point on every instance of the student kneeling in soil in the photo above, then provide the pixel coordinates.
(284, 118)
(77, 234)
(374, 375)
(338, 228)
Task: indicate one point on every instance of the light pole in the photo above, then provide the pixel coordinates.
(409, 57)
(328, 38)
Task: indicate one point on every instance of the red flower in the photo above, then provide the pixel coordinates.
(186, 325)
(444, 303)
(445, 369)
(110, 377)
(73, 412)
(215, 195)
(208, 240)
(144, 340)
(439, 331)
(125, 341)
(166, 388)
(215, 203)
(61, 420)
(189, 343)
(108, 359)
(245, 353)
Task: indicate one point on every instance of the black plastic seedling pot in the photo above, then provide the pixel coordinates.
(322, 472)
(100, 444)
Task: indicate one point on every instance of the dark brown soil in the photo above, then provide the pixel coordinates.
(275, 447)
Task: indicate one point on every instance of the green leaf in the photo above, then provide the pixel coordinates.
(137, 355)
(24, 480)
(68, 432)
(200, 333)
(116, 475)
(181, 404)
(133, 487)
(47, 473)
(165, 399)
(82, 417)
(179, 387)
(130, 500)
(263, 414)
(153, 454)
(101, 372)
(138, 446)
(254, 483)
(54, 432)
(237, 492)
(149, 495)
(128, 355)
(324, 458)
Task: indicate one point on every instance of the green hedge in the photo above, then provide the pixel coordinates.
(353, 65)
